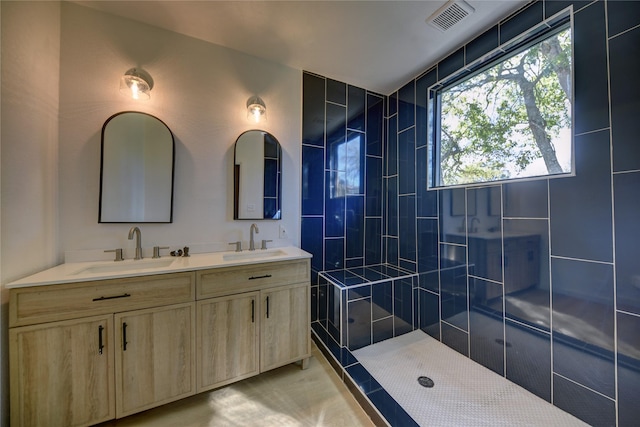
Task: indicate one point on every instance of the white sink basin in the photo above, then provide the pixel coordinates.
(122, 266)
(258, 254)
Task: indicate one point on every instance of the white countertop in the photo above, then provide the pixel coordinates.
(101, 270)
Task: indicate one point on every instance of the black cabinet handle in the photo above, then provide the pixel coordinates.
(124, 337)
(267, 307)
(253, 311)
(259, 277)
(113, 297)
(100, 343)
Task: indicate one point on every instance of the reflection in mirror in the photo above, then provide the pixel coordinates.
(136, 180)
(257, 176)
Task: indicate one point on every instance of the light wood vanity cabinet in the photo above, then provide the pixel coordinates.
(77, 372)
(84, 353)
(251, 319)
(61, 373)
(40, 304)
(227, 340)
(284, 333)
(155, 360)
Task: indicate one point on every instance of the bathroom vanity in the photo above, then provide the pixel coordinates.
(90, 342)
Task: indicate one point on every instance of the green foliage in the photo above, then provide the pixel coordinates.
(497, 123)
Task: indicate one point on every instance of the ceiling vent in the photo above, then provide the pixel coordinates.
(450, 14)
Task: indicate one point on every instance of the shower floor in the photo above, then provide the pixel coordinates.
(465, 393)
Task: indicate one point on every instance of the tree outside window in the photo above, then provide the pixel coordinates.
(511, 120)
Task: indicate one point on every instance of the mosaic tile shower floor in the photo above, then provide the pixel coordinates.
(465, 393)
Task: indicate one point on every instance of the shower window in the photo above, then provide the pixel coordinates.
(510, 117)
(347, 159)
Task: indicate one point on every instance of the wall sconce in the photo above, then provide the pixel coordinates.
(256, 109)
(136, 83)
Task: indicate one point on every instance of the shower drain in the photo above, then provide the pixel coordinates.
(426, 382)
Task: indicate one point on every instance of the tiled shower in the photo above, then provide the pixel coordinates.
(536, 280)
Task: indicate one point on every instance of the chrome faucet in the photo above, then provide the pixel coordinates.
(252, 244)
(136, 231)
(472, 228)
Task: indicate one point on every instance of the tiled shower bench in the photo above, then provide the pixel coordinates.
(358, 307)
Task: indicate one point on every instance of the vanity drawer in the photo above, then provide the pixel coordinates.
(38, 304)
(231, 280)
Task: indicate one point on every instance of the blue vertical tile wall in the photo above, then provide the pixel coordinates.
(403, 305)
(336, 92)
(527, 271)
(407, 232)
(427, 244)
(342, 174)
(407, 161)
(627, 206)
(373, 183)
(455, 338)
(313, 178)
(454, 285)
(373, 241)
(429, 312)
(392, 146)
(584, 290)
(356, 98)
(594, 409)
(482, 44)
(486, 324)
(313, 117)
(580, 207)
(628, 368)
(563, 291)
(521, 21)
(334, 213)
(355, 228)
(527, 199)
(528, 358)
(590, 71)
(311, 240)
(375, 115)
(374, 179)
(624, 54)
(422, 86)
(623, 51)
(406, 178)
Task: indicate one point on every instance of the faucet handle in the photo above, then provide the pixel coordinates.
(238, 245)
(118, 252)
(264, 243)
(156, 250)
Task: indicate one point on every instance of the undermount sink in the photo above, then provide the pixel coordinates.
(129, 265)
(253, 255)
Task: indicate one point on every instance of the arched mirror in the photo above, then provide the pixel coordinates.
(257, 176)
(136, 177)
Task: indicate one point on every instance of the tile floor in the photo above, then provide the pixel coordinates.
(287, 396)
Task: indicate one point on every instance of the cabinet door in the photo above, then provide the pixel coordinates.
(285, 323)
(155, 361)
(62, 373)
(227, 339)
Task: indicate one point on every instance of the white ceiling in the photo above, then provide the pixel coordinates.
(377, 45)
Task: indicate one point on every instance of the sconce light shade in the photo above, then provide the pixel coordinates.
(256, 109)
(136, 83)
